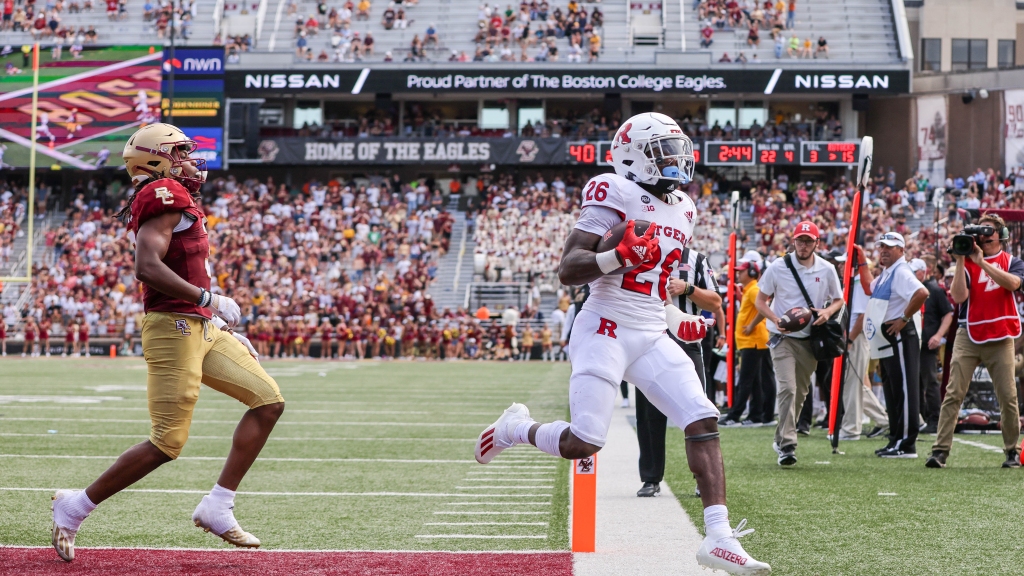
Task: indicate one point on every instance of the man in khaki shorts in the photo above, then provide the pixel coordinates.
(184, 343)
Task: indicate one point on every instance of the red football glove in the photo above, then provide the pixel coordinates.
(634, 250)
(687, 327)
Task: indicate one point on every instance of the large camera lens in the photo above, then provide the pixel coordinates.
(963, 245)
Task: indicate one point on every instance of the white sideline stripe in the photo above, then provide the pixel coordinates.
(40, 405)
(485, 523)
(286, 438)
(514, 467)
(235, 422)
(502, 474)
(504, 487)
(506, 480)
(293, 550)
(486, 513)
(548, 503)
(484, 536)
(319, 494)
(266, 459)
(979, 445)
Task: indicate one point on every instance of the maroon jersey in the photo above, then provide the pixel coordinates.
(188, 251)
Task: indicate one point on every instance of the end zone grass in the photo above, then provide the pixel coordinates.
(387, 445)
(834, 515)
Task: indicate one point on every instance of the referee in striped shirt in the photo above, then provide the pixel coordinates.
(693, 289)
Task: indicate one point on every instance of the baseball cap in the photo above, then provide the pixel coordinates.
(806, 228)
(917, 264)
(892, 239)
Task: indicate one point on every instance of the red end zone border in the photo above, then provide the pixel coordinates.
(120, 561)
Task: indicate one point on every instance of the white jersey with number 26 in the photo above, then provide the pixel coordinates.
(636, 299)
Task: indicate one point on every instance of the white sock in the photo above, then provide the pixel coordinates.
(219, 516)
(716, 521)
(222, 497)
(549, 435)
(73, 510)
(521, 435)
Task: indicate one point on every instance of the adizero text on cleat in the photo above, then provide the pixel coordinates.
(726, 553)
(498, 436)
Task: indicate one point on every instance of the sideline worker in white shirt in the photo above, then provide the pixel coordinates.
(896, 295)
(791, 351)
(858, 399)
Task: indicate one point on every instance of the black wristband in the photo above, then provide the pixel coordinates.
(690, 288)
(204, 297)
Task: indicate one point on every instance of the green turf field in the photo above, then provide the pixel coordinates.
(833, 514)
(369, 410)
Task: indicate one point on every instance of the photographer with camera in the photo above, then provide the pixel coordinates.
(983, 285)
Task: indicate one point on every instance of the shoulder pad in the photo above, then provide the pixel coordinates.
(606, 190)
(159, 197)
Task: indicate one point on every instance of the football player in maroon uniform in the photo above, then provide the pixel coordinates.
(185, 339)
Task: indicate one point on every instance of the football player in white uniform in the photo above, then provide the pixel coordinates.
(620, 332)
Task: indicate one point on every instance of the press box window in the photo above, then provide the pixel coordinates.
(494, 116)
(969, 54)
(1007, 53)
(931, 54)
(307, 114)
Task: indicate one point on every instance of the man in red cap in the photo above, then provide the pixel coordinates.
(791, 351)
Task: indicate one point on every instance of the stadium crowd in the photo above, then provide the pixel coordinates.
(349, 261)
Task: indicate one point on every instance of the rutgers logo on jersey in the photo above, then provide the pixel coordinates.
(673, 226)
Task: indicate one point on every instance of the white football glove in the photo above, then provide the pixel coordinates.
(226, 308)
(687, 327)
(221, 324)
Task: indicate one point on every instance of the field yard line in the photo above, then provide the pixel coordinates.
(486, 513)
(325, 494)
(293, 550)
(521, 467)
(988, 447)
(548, 503)
(235, 422)
(504, 487)
(483, 536)
(485, 523)
(239, 408)
(506, 480)
(266, 459)
(509, 474)
(286, 438)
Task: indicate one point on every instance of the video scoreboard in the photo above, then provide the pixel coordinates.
(739, 153)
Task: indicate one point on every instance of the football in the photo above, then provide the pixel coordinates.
(612, 238)
(796, 319)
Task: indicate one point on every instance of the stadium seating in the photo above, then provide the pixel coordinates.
(859, 31)
(131, 30)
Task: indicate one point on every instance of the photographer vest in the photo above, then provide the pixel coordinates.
(991, 309)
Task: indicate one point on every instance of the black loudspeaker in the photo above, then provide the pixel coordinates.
(383, 102)
(860, 102)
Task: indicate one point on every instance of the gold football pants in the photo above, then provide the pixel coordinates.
(183, 352)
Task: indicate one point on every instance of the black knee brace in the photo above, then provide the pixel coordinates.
(702, 437)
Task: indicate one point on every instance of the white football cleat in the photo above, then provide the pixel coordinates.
(727, 554)
(202, 518)
(63, 539)
(498, 436)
